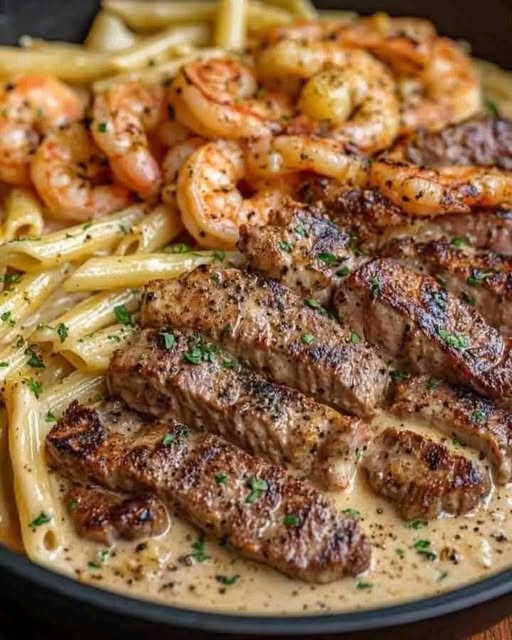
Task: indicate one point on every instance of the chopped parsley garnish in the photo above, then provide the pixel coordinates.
(114, 338)
(363, 586)
(102, 127)
(229, 363)
(478, 276)
(219, 255)
(424, 549)
(343, 272)
(302, 229)
(285, 246)
(375, 285)
(228, 581)
(168, 339)
(457, 241)
(93, 565)
(87, 225)
(4, 364)
(258, 487)
(123, 315)
(291, 520)
(50, 417)
(478, 416)
(308, 338)
(199, 553)
(468, 298)
(458, 442)
(221, 478)
(6, 317)
(353, 244)
(179, 247)
(397, 375)
(312, 303)
(62, 331)
(452, 339)
(327, 258)
(104, 555)
(400, 552)
(41, 519)
(34, 360)
(216, 277)
(358, 454)
(355, 338)
(432, 383)
(261, 92)
(10, 278)
(199, 351)
(227, 330)
(442, 576)
(72, 505)
(417, 524)
(193, 356)
(168, 439)
(34, 386)
(352, 512)
(492, 108)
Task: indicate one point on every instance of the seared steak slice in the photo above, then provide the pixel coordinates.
(419, 324)
(423, 478)
(291, 340)
(301, 248)
(259, 509)
(373, 220)
(482, 141)
(460, 413)
(481, 279)
(179, 374)
(103, 517)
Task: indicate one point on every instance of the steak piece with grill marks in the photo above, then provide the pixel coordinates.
(259, 509)
(420, 325)
(481, 279)
(178, 374)
(461, 413)
(423, 478)
(291, 340)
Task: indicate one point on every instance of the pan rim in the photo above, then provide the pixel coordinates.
(146, 611)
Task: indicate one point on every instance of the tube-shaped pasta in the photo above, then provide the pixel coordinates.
(151, 16)
(109, 33)
(93, 352)
(83, 387)
(153, 47)
(300, 8)
(12, 361)
(39, 512)
(66, 63)
(115, 272)
(88, 316)
(154, 231)
(72, 243)
(25, 297)
(230, 25)
(10, 534)
(23, 215)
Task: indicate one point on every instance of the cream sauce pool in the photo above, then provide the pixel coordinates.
(178, 568)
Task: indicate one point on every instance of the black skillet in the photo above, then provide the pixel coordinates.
(35, 602)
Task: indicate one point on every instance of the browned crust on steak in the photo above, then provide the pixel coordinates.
(417, 322)
(481, 279)
(217, 395)
(266, 324)
(423, 478)
(182, 469)
(457, 412)
(104, 517)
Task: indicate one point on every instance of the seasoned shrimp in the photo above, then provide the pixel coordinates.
(73, 179)
(123, 116)
(450, 90)
(220, 98)
(173, 160)
(31, 105)
(210, 198)
(288, 154)
(431, 192)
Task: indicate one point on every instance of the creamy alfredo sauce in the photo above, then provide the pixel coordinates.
(177, 568)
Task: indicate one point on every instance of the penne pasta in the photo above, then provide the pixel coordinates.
(155, 230)
(93, 352)
(88, 316)
(23, 215)
(261, 17)
(82, 387)
(150, 49)
(25, 297)
(117, 272)
(10, 534)
(39, 513)
(72, 243)
(231, 25)
(109, 33)
(151, 16)
(300, 8)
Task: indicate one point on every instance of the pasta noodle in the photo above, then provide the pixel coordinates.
(23, 215)
(82, 387)
(109, 33)
(156, 230)
(10, 534)
(93, 352)
(231, 25)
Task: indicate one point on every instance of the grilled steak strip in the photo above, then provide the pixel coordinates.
(373, 220)
(104, 517)
(259, 509)
(421, 477)
(483, 280)
(301, 248)
(211, 392)
(460, 413)
(419, 324)
(273, 329)
(482, 141)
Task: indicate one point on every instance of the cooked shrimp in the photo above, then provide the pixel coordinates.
(221, 98)
(431, 192)
(31, 105)
(172, 132)
(173, 160)
(73, 179)
(123, 116)
(211, 201)
(450, 87)
(288, 154)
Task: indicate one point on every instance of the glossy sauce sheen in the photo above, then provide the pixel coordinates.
(167, 569)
